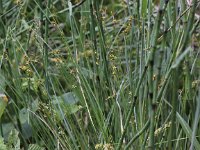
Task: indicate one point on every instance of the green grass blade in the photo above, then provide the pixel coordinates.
(187, 130)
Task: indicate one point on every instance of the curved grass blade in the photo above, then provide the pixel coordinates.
(187, 130)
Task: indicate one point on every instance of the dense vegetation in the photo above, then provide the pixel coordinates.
(99, 74)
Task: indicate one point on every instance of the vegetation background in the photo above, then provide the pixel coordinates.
(99, 74)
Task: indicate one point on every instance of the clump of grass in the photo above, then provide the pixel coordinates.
(101, 75)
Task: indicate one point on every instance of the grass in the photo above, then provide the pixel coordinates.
(99, 74)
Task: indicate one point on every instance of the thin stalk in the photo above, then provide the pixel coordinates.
(93, 24)
(174, 108)
(41, 19)
(158, 75)
(172, 132)
(138, 134)
(196, 121)
(2, 22)
(46, 49)
(93, 36)
(150, 75)
(189, 26)
(74, 30)
(145, 141)
(131, 108)
(103, 45)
